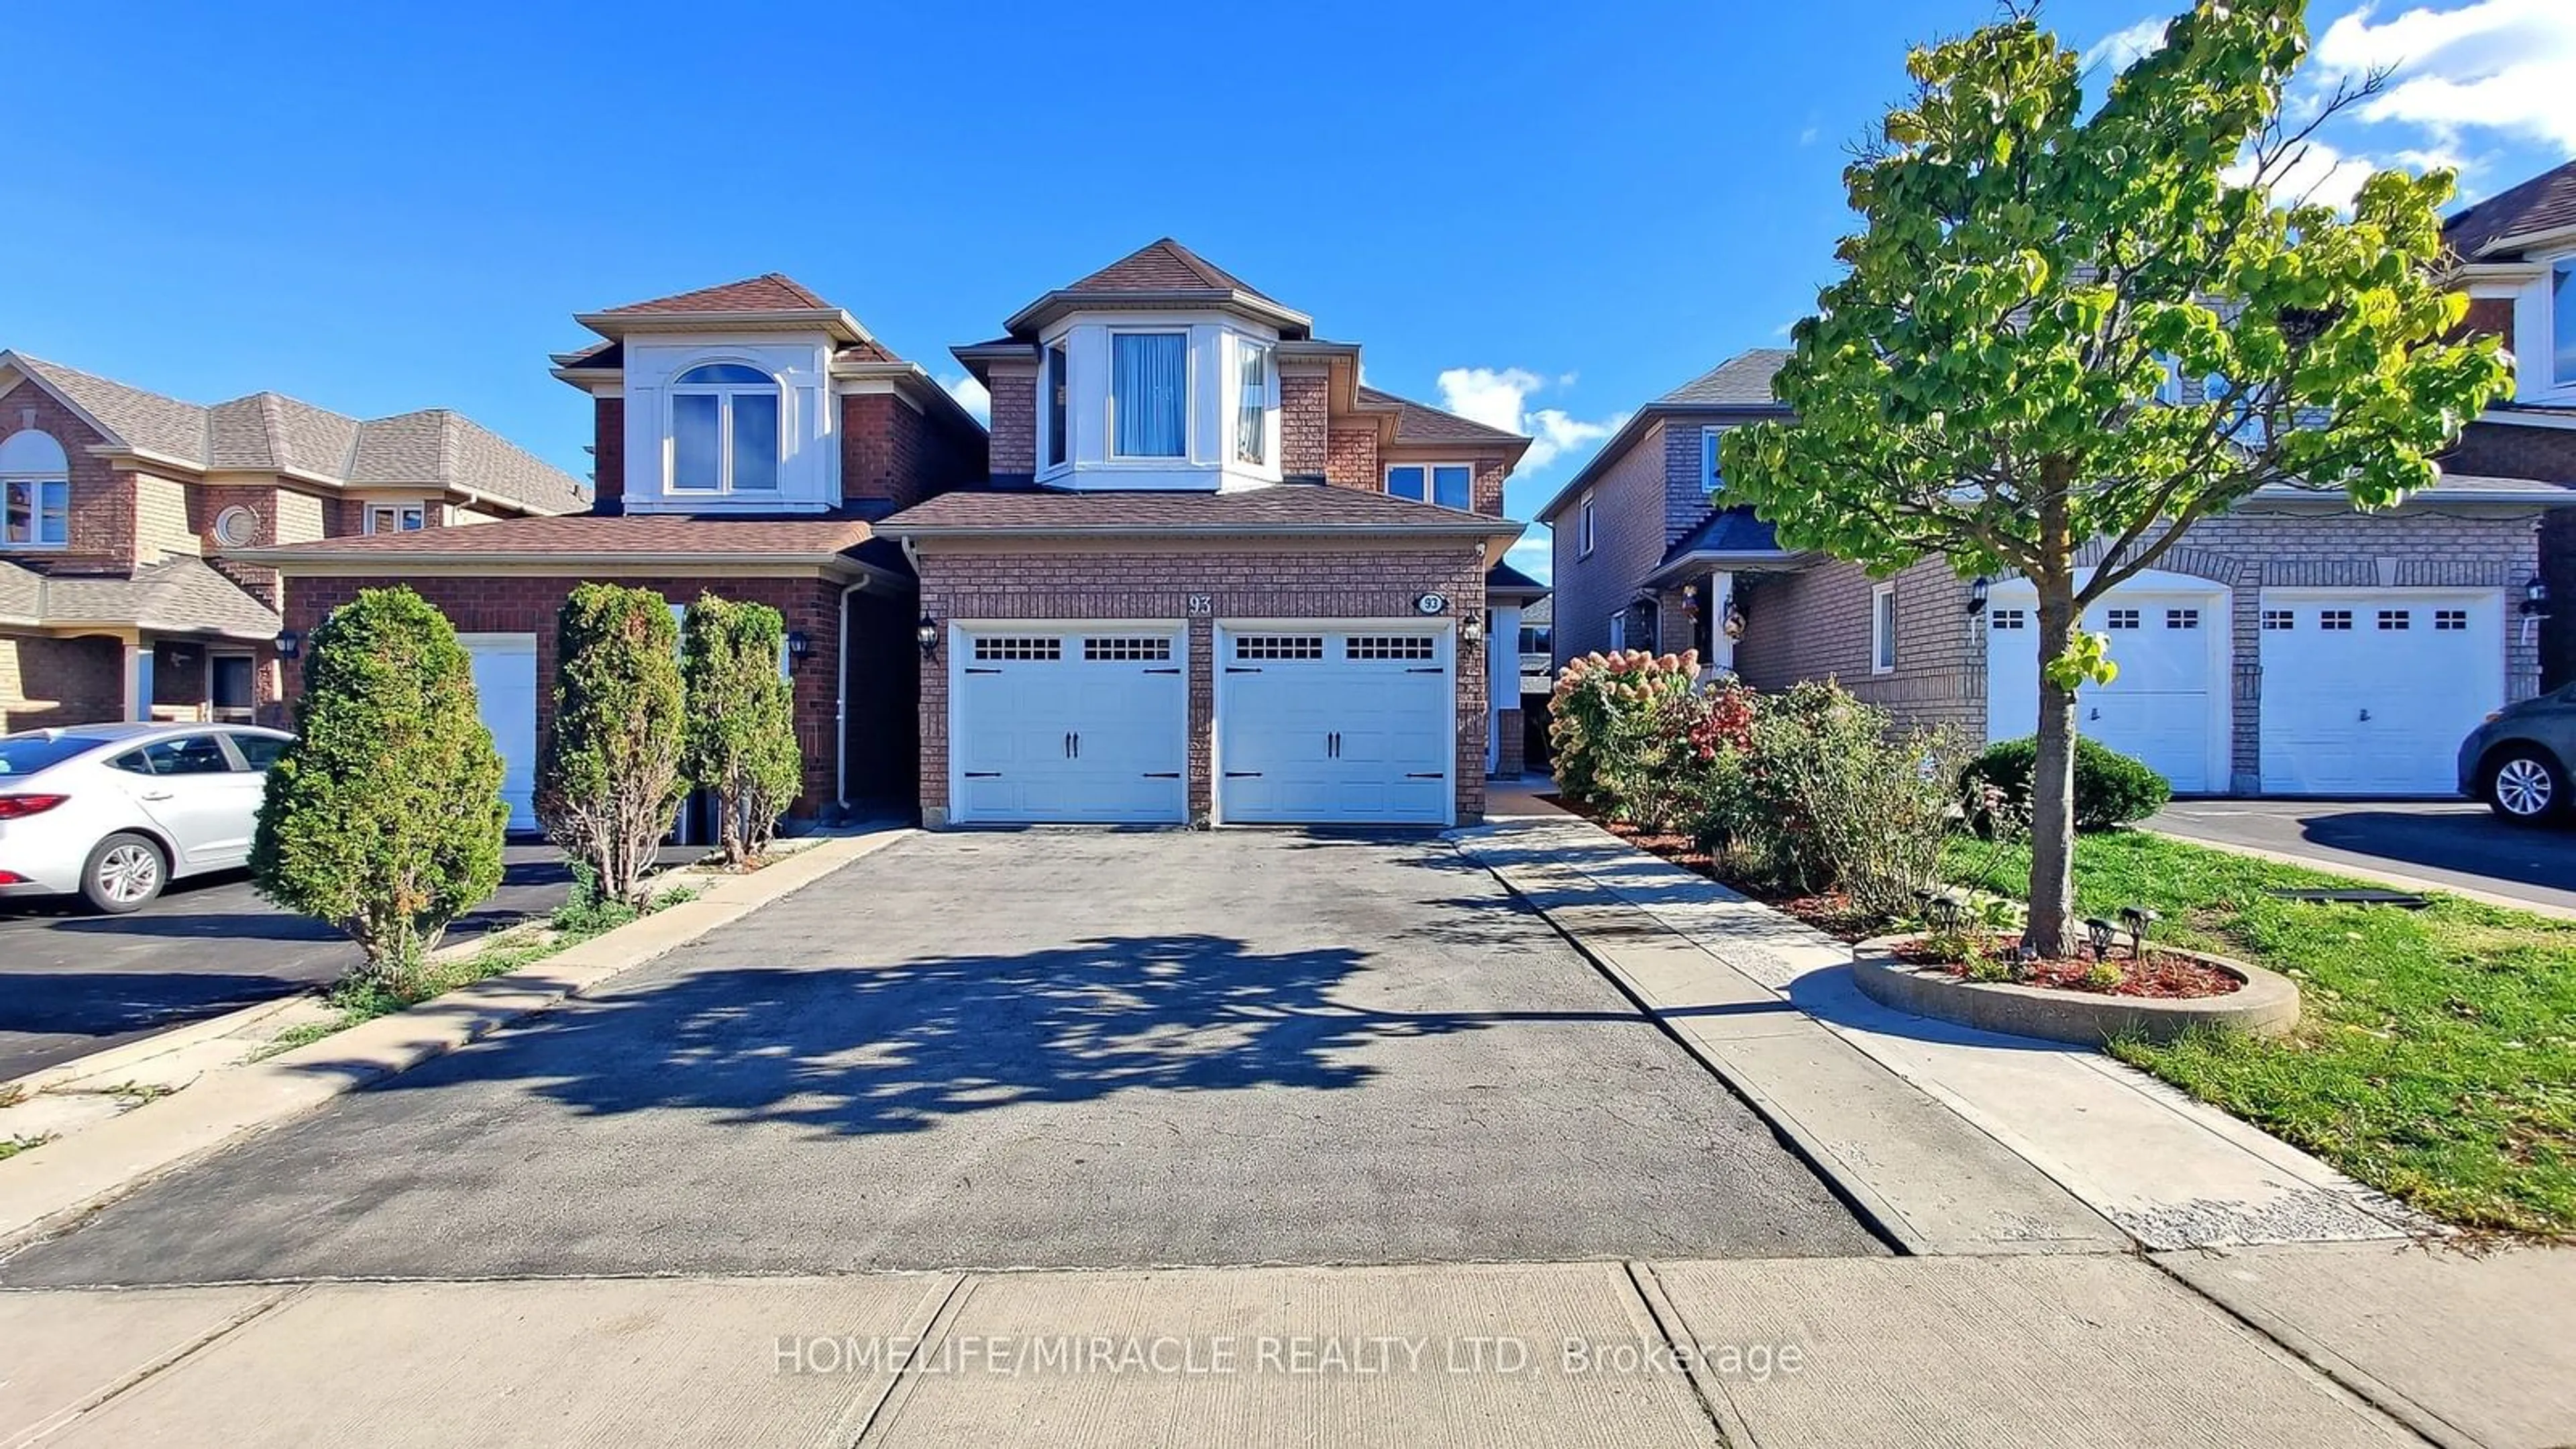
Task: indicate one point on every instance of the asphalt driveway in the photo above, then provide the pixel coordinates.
(1042, 1049)
(72, 982)
(2447, 843)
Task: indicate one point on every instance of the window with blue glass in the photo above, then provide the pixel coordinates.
(724, 430)
(2562, 306)
(1149, 394)
(1712, 473)
(1451, 485)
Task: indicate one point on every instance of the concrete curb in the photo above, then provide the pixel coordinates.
(2394, 880)
(2266, 1005)
(161, 1044)
(51, 1186)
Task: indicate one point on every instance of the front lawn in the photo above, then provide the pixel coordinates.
(2436, 1056)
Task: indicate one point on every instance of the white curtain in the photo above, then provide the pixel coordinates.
(1150, 380)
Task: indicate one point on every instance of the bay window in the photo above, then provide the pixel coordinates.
(724, 430)
(1451, 485)
(38, 512)
(1252, 411)
(1053, 384)
(2562, 322)
(1149, 389)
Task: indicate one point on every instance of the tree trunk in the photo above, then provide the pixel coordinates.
(2052, 779)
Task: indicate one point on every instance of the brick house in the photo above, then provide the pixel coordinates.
(116, 599)
(1212, 577)
(746, 437)
(2282, 648)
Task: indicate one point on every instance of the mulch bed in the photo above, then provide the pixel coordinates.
(2163, 974)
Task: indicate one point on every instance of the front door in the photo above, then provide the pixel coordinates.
(232, 687)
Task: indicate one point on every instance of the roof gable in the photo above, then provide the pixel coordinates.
(1421, 423)
(768, 292)
(1164, 265)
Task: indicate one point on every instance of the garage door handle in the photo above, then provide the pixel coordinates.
(1174, 669)
(1162, 774)
(971, 669)
(1243, 669)
(1422, 775)
(1425, 669)
(2365, 716)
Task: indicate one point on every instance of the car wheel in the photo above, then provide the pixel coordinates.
(2526, 787)
(125, 873)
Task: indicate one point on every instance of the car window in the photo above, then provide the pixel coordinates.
(26, 754)
(259, 751)
(132, 762)
(187, 755)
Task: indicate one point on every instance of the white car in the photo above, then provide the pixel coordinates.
(114, 812)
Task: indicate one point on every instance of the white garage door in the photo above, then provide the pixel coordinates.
(2369, 691)
(505, 685)
(2166, 707)
(1051, 725)
(1335, 724)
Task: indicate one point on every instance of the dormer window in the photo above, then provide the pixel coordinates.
(35, 491)
(1252, 410)
(1052, 382)
(1149, 394)
(724, 430)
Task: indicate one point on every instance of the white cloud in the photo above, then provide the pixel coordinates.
(2117, 49)
(2501, 65)
(1533, 555)
(1807, 136)
(972, 396)
(1499, 398)
(2316, 174)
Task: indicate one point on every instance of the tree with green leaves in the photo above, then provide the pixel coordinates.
(741, 745)
(384, 815)
(609, 786)
(1992, 379)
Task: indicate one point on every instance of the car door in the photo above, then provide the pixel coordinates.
(189, 786)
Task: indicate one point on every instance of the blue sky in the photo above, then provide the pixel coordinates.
(1540, 215)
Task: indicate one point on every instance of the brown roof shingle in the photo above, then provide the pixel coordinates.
(1163, 265)
(768, 292)
(583, 535)
(1285, 508)
(2547, 202)
(1422, 423)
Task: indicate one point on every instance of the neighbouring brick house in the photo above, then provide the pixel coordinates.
(1212, 577)
(116, 601)
(747, 436)
(2292, 646)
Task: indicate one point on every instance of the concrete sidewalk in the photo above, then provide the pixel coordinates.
(1832, 1353)
(1757, 994)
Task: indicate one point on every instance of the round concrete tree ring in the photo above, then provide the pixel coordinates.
(2266, 1005)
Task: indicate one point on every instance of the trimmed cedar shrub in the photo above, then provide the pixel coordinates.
(2111, 789)
(741, 738)
(609, 785)
(384, 816)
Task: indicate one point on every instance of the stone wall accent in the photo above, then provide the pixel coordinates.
(1139, 581)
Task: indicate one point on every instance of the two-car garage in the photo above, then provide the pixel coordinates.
(1306, 722)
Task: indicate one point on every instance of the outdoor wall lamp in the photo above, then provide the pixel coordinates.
(2535, 596)
(798, 645)
(1471, 630)
(1731, 621)
(926, 634)
(289, 644)
(1977, 588)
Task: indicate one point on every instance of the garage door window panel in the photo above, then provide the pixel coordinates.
(991, 648)
(1279, 646)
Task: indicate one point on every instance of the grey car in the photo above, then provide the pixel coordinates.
(2518, 760)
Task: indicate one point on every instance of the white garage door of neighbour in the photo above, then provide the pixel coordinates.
(1329, 724)
(1074, 727)
(505, 686)
(2160, 708)
(2370, 691)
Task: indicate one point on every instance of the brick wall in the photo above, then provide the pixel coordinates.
(1630, 534)
(1815, 624)
(49, 682)
(608, 454)
(1305, 420)
(892, 452)
(101, 526)
(1244, 582)
(2514, 450)
(1014, 386)
(528, 604)
(2488, 314)
(1350, 459)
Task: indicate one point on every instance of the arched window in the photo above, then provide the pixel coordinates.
(35, 491)
(724, 430)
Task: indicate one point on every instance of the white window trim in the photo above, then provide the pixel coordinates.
(36, 484)
(724, 393)
(1882, 628)
(1244, 349)
(1055, 374)
(396, 507)
(1189, 401)
(1430, 482)
(1583, 532)
(2550, 381)
(1711, 481)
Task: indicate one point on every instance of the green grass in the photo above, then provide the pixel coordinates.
(12, 1146)
(2436, 1054)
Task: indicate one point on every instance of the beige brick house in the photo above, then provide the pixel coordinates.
(116, 601)
(2293, 646)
